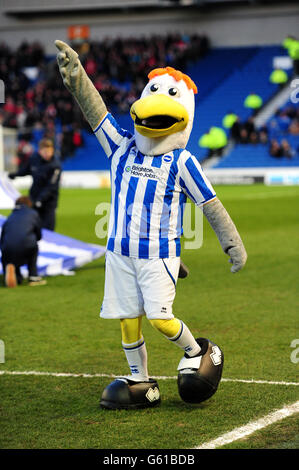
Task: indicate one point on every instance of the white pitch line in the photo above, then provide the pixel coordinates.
(251, 427)
(267, 382)
(53, 374)
(162, 377)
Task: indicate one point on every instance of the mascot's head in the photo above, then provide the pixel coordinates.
(163, 116)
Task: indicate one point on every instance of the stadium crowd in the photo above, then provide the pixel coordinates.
(247, 133)
(275, 133)
(37, 103)
(284, 124)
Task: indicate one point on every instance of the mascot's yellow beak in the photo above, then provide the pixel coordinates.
(158, 115)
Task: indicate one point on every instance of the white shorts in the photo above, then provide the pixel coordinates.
(136, 287)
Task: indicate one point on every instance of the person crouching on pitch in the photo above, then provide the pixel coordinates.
(19, 236)
(152, 174)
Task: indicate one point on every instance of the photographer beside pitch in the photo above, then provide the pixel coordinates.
(45, 170)
(142, 266)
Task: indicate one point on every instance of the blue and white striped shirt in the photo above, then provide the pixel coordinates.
(148, 194)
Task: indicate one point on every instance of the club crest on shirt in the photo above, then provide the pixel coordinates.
(167, 158)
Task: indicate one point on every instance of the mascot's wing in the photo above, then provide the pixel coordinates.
(77, 82)
(227, 233)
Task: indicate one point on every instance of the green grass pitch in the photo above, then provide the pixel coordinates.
(252, 315)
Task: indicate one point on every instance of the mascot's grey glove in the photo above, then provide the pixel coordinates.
(77, 82)
(227, 233)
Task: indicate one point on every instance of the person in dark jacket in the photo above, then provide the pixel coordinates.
(45, 169)
(19, 236)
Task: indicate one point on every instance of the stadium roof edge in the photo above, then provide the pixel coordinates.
(16, 7)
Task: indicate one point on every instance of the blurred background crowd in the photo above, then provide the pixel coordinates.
(37, 101)
(38, 105)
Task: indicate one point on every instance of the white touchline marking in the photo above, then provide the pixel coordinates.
(53, 374)
(161, 377)
(268, 382)
(251, 427)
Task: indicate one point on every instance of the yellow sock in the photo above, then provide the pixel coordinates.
(177, 332)
(169, 328)
(131, 333)
(134, 348)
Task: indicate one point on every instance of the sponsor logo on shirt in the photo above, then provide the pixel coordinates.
(145, 172)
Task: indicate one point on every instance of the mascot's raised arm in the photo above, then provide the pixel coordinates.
(152, 175)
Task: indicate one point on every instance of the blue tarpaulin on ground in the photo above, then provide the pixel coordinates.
(59, 254)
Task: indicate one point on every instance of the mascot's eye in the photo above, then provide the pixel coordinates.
(154, 87)
(173, 91)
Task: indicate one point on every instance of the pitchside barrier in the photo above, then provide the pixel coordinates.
(246, 176)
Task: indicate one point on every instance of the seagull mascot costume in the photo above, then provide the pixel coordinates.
(152, 176)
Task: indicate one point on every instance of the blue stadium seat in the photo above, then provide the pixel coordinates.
(255, 156)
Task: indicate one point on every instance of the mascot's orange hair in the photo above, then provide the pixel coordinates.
(176, 74)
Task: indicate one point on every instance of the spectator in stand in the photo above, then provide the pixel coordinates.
(77, 136)
(252, 135)
(24, 152)
(235, 130)
(275, 149)
(283, 120)
(287, 150)
(67, 146)
(281, 150)
(263, 135)
(294, 127)
(247, 133)
(243, 135)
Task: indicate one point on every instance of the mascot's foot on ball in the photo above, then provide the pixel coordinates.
(124, 393)
(199, 376)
